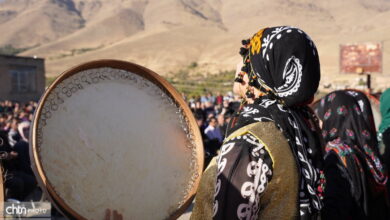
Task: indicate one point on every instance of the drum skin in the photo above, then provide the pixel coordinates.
(112, 134)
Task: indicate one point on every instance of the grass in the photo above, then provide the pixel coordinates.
(193, 83)
(74, 52)
(10, 50)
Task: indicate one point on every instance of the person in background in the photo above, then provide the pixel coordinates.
(210, 145)
(19, 180)
(22, 147)
(212, 131)
(208, 109)
(198, 109)
(355, 178)
(13, 134)
(219, 99)
(211, 98)
(200, 122)
(203, 99)
(384, 131)
(221, 124)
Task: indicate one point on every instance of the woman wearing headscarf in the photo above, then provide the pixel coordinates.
(269, 164)
(365, 106)
(355, 179)
(384, 131)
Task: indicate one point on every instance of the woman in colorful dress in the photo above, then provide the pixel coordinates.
(355, 178)
(384, 131)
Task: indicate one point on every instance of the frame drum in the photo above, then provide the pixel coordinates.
(112, 134)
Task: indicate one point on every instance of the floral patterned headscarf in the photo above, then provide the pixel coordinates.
(345, 117)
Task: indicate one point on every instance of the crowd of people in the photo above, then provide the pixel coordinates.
(213, 114)
(15, 120)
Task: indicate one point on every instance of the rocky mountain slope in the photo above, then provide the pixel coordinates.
(166, 35)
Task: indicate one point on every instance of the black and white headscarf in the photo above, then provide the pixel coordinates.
(283, 63)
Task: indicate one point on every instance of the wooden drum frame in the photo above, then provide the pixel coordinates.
(59, 92)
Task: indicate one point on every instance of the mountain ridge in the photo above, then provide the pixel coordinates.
(168, 35)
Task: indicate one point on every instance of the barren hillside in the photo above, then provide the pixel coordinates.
(165, 35)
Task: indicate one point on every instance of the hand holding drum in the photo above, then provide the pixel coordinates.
(114, 135)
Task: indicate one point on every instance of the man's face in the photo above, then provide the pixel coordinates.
(14, 125)
(220, 119)
(226, 103)
(213, 122)
(22, 115)
(199, 122)
(29, 108)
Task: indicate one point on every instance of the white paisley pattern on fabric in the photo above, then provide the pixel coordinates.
(258, 174)
(292, 74)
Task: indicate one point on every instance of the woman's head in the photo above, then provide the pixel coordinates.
(348, 116)
(283, 61)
